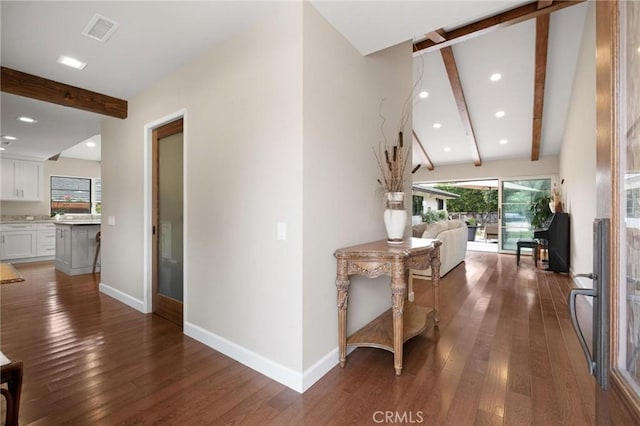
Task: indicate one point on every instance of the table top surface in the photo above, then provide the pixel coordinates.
(410, 246)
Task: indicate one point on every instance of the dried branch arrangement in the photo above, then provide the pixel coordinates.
(392, 161)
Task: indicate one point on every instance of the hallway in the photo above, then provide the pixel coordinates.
(505, 353)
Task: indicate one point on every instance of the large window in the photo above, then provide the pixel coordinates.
(75, 195)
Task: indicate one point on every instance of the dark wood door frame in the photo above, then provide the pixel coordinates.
(161, 305)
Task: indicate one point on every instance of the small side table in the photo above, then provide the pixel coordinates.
(391, 329)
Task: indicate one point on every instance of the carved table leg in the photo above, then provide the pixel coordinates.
(398, 292)
(435, 282)
(342, 284)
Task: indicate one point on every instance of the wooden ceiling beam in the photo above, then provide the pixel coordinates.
(544, 3)
(437, 36)
(427, 160)
(42, 89)
(542, 45)
(456, 85)
(501, 20)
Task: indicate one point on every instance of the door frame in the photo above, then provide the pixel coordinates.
(554, 180)
(147, 274)
(620, 403)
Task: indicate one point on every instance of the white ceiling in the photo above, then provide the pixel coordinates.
(156, 38)
(153, 40)
(510, 52)
(371, 26)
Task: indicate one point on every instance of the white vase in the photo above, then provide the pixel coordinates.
(395, 217)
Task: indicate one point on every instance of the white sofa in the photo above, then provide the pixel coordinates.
(453, 234)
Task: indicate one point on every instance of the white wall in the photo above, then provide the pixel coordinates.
(342, 204)
(520, 167)
(243, 163)
(578, 155)
(62, 167)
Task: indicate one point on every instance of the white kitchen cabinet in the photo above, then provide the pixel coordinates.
(46, 239)
(17, 241)
(21, 180)
(76, 248)
(63, 247)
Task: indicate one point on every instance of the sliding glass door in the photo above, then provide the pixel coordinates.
(517, 196)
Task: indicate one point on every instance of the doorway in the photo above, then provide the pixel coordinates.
(168, 221)
(517, 196)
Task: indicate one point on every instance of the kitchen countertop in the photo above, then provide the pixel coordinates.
(27, 221)
(78, 222)
(83, 219)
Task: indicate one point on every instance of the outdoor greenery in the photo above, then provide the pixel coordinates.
(471, 200)
(431, 216)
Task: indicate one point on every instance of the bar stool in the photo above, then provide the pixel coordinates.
(95, 259)
(532, 244)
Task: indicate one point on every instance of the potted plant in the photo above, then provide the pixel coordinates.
(472, 227)
(539, 212)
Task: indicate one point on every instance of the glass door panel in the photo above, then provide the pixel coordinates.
(516, 198)
(170, 217)
(629, 190)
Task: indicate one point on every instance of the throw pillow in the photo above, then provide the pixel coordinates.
(418, 230)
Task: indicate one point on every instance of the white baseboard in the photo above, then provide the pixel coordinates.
(122, 297)
(294, 380)
(319, 369)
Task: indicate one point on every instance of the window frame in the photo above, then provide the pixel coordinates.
(94, 204)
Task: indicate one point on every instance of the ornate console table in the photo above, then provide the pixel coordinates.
(399, 324)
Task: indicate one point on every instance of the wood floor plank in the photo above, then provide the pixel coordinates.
(504, 353)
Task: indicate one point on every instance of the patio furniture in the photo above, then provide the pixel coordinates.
(491, 231)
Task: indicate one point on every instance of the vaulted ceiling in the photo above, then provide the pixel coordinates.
(532, 45)
(156, 38)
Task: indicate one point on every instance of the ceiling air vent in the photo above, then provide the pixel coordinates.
(100, 28)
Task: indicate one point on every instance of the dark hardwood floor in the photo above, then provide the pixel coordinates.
(505, 353)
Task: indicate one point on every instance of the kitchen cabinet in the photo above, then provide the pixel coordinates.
(17, 241)
(75, 247)
(21, 180)
(63, 247)
(46, 239)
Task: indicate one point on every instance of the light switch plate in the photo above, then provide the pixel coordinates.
(111, 220)
(282, 231)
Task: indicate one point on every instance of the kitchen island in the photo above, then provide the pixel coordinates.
(76, 246)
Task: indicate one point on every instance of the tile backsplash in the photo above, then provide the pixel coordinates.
(26, 217)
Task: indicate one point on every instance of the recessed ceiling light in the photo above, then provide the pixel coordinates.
(1, 148)
(26, 119)
(638, 49)
(495, 77)
(447, 149)
(503, 141)
(437, 125)
(10, 138)
(71, 62)
(424, 94)
(90, 144)
(500, 114)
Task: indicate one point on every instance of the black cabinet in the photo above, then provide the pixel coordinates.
(557, 236)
